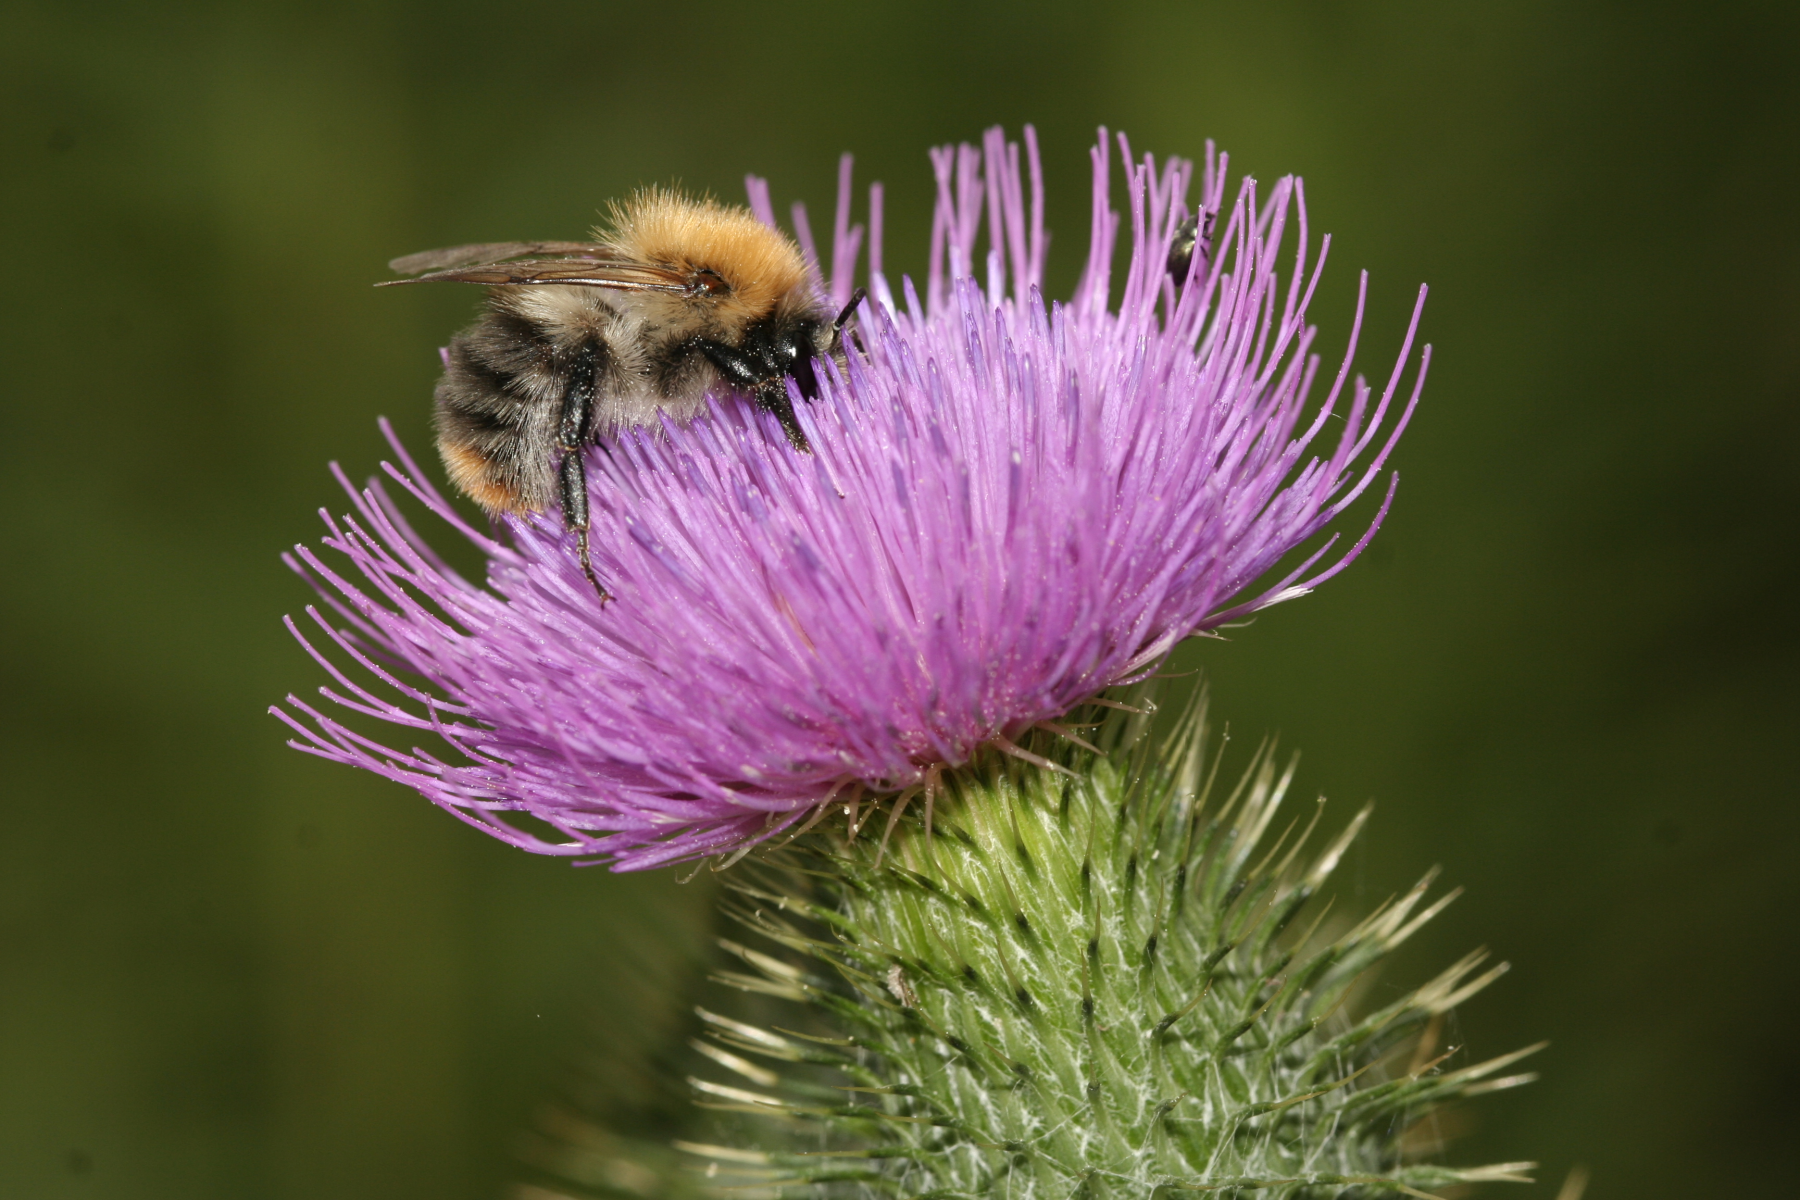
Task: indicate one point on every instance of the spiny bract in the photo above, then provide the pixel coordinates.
(1088, 982)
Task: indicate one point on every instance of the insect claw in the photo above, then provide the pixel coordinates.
(587, 568)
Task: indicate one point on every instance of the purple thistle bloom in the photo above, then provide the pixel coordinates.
(1008, 507)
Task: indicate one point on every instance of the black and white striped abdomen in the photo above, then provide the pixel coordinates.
(500, 400)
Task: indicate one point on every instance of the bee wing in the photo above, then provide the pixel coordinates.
(567, 272)
(481, 253)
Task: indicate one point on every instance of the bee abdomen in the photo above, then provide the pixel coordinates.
(497, 408)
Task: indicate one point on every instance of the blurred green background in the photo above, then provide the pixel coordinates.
(1565, 671)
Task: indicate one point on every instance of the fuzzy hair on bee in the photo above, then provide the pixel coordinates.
(581, 340)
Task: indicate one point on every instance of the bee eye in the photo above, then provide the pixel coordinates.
(805, 377)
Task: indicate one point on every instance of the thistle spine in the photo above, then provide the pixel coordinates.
(1088, 978)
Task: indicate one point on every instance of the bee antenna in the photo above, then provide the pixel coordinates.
(843, 318)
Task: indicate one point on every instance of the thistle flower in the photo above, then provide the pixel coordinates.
(1009, 506)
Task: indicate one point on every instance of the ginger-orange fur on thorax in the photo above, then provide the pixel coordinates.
(666, 229)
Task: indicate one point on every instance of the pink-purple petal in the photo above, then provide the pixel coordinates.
(1009, 506)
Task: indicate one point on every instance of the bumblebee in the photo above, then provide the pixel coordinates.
(580, 340)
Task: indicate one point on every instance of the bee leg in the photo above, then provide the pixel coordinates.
(762, 381)
(572, 478)
(737, 367)
(773, 397)
(571, 434)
